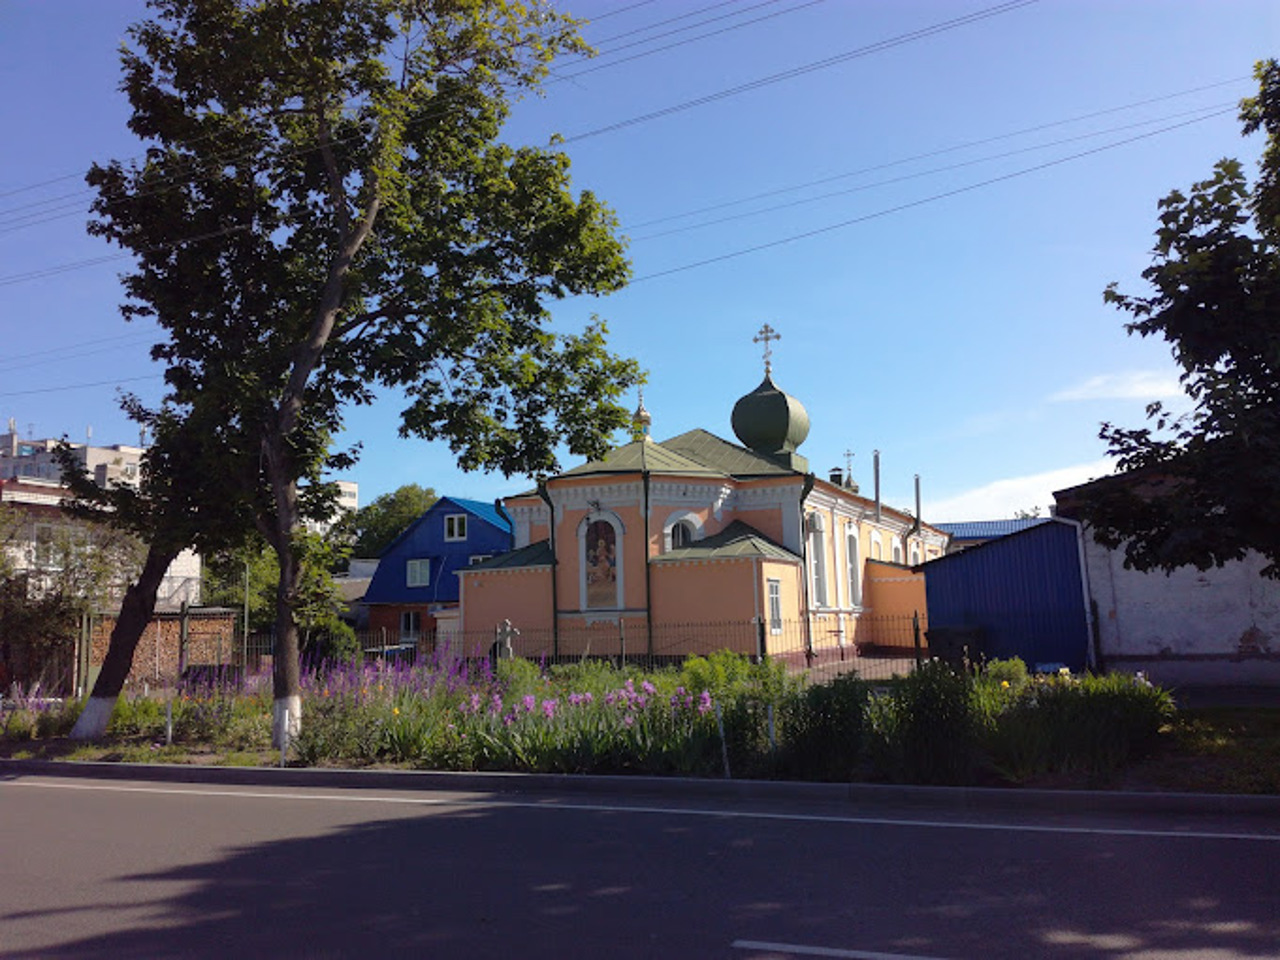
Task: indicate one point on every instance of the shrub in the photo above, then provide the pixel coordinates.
(925, 730)
(821, 735)
(136, 716)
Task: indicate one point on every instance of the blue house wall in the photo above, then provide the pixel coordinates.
(1024, 592)
(488, 532)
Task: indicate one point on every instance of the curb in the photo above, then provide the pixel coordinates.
(954, 799)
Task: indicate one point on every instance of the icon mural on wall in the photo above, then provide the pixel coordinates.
(602, 566)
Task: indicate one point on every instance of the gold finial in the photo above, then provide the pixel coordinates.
(766, 334)
(640, 420)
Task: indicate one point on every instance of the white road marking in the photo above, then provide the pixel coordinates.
(801, 950)
(196, 791)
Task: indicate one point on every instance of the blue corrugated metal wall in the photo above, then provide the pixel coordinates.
(1023, 591)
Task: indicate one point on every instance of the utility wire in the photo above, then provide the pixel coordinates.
(663, 23)
(915, 203)
(81, 386)
(94, 261)
(1215, 111)
(798, 71)
(680, 43)
(62, 354)
(942, 151)
(863, 51)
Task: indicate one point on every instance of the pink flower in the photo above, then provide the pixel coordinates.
(648, 688)
(549, 708)
(530, 701)
(704, 702)
(628, 720)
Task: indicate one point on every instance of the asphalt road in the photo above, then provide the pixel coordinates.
(92, 868)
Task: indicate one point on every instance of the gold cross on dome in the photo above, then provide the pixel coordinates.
(766, 334)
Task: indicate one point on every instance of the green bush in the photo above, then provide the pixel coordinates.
(925, 730)
(136, 716)
(58, 719)
(822, 730)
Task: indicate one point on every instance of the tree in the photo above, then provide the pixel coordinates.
(53, 573)
(1201, 489)
(373, 527)
(196, 488)
(323, 633)
(325, 207)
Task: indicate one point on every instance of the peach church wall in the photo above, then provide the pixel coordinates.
(521, 596)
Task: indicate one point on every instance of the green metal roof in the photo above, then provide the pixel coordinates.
(737, 541)
(642, 455)
(536, 554)
(728, 458)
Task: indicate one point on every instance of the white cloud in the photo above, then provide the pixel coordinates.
(1133, 385)
(1001, 499)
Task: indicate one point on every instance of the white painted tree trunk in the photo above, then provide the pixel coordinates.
(286, 720)
(92, 722)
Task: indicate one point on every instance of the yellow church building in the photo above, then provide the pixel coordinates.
(697, 544)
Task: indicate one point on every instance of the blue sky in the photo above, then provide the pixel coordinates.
(935, 222)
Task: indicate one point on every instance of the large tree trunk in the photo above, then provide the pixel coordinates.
(286, 679)
(135, 613)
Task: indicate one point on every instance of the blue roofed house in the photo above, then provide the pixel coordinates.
(414, 594)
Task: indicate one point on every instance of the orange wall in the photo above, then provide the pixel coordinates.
(702, 592)
(890, 590)
(521, 596)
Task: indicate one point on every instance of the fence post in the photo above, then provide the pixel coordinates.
(184, 636)
(622, 644)
(762, 649)
(915, 633)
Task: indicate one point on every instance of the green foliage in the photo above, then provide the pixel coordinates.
(372, 528)
(1011, 673)
(822, 730)
(338, 215)
(1093, 724)
(925, 730)
(57, 720)
(1202, 487)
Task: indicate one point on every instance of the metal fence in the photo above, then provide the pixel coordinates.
(875, 647)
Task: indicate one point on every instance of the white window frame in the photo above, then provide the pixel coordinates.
(455, 527)
(690, 520)
(773, 591)
(818, 559)
(478, 558)
(417, 572)
(897, 552)
(853, 562)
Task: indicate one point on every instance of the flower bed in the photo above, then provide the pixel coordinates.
(712, 716)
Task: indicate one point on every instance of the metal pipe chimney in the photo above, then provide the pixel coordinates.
(875, 469)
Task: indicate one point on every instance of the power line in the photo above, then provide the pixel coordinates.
(663, 23)
(863, 51)
(942, 151)
(173, 179)
(62, 354)
(1202, 113)
(915, 203)
(81, 386)
(95, 261)
(680, 43)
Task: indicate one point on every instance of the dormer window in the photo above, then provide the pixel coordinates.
(681, 535)
(455, 526)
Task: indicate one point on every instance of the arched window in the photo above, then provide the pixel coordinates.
(897, 552)
(681, 528)
(854, 567)
(818, 559)
(600, 561)
(915, 554)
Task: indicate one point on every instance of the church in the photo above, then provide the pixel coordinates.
(696, 543)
